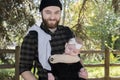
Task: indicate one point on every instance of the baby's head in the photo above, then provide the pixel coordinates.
(74, 41)
(72, 47)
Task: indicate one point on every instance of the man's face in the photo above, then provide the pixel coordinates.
(51, 16)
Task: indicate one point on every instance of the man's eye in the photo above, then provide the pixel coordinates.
(58, 12)
(47, 12)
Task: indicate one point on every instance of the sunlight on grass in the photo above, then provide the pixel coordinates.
(95, 72)
(6, 74)
(98, 72)
(114, 71)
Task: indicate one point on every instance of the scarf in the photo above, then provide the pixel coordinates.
(44, 48)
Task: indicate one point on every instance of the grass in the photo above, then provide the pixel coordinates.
(98, 72)
(6, 74)
(93, 72)
(114, 71)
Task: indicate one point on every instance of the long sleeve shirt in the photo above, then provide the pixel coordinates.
(29, 49)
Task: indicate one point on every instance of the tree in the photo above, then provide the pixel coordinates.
(93, 21)
(15, 18)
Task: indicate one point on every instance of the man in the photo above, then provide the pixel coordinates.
(42, 41)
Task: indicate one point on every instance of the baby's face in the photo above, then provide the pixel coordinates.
(71, 49)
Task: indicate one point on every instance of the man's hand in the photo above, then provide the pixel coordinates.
(27, 75)
(50, 76)
(83, 73)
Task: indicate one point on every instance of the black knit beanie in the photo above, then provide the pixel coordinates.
(46, 3)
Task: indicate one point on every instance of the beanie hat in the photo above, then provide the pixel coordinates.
(46, 3)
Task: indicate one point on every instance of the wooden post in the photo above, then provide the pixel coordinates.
(107, 63)
(17, 51)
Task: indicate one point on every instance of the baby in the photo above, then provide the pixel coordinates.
(72, 47)
(72, 50)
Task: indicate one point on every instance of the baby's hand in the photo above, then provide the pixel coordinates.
(50, 76)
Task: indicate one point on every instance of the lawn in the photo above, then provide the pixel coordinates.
(98, 72)
(93, 72)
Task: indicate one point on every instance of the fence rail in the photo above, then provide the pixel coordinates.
(16, 65)
(106, 64)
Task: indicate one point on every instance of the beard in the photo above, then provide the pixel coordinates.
(50, 25)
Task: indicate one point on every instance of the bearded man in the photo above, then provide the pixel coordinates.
(45, 40)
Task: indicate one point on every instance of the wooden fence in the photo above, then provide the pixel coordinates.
(16, 65)
(106, 64)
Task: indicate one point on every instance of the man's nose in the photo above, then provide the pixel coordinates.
(52, 17)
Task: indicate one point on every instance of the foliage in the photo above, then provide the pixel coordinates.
(7, 74)
(15, 19)
(113, 58)
(96, 22)
(7, 58)
(92, 21)
(103, 22)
